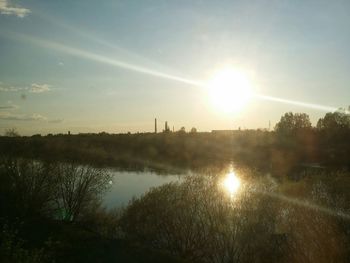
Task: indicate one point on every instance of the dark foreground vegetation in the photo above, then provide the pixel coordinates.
(293, 206)
(51, 213)
(307, 221)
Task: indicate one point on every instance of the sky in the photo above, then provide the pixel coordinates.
(115, 65)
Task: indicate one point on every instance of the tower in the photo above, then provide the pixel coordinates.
(155, 125)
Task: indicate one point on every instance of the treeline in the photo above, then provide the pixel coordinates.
(327, 144)
(163, 151)
(293, 143)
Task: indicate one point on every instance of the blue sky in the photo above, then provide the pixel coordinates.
(70, 65)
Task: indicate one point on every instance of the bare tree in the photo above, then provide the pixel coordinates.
(78, 188)
(28, 184)
(201, 224)
(194, 220)
(11, 132)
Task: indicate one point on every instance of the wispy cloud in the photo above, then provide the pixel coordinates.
(39, 88)
(9, 106)
(11, 89)
(7, 9)
(21, 117)
(10, 116)
(34, 88)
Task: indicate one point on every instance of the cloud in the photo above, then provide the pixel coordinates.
(7, 9)
(8, 107)
(8, 116)
(21, 117)
(9, 89)
(39, 88)
(61, 63)
(34, 88)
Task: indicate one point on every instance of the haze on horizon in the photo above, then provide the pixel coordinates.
(85, 66)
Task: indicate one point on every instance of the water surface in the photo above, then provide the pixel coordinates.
(126, 185)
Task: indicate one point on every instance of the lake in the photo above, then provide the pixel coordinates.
(126, 185)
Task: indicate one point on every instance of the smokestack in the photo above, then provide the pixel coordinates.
(166, 126)
(155, 125)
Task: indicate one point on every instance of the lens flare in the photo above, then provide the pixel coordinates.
(297, 103)
(231, 98)
(101, 59)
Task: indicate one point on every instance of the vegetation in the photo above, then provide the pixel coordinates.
(288, 209)
(294, 143)
(51, 212)
(264, 222)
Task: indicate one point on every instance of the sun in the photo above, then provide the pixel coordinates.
(231, 183)
(229, 90)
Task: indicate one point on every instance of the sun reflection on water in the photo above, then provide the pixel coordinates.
(231, 183)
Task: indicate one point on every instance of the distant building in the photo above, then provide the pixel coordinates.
(223, 132)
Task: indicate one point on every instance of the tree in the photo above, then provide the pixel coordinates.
(334, 131)
(333, 121)
(11, 132)
(200, 223)
(263, 222)
(291, 123)
(193, 130)
(182, 130)
(79, 188)
(27, 187)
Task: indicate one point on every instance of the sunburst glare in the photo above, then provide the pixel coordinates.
(229, 90)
